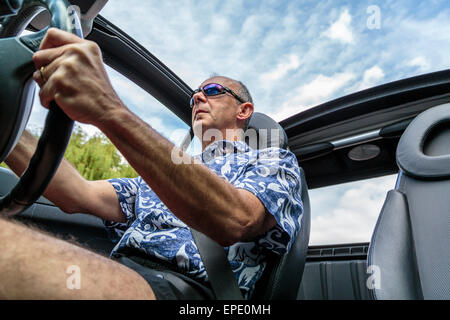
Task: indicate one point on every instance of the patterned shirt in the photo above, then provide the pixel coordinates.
(270, 174)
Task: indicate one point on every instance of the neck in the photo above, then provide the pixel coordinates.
(212, 135)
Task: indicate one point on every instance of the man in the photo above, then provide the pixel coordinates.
(248, 201)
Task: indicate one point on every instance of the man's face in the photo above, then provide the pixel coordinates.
(215, 112)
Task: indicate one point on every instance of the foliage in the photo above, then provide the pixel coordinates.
(95, 157)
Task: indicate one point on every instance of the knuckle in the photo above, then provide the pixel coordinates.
(41, 93)
(43, 97)
(70, 66)
(61, 82)
(52, 32)
(36, 76)
(74, 49)
(57, 79)
(92, 47)
(91, 44)
(84, 49)
(35, 58)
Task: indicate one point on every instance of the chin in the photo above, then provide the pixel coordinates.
(201, 127)
(198, 127)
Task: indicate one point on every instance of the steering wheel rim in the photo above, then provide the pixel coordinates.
(16, 101)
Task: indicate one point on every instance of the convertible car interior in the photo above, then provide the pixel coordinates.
(401, 127)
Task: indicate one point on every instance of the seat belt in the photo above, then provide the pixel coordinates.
(220, 275)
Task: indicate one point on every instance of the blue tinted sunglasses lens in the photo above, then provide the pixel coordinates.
(213, 89)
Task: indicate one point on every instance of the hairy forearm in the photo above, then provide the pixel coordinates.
(19, 159)
(191, 191)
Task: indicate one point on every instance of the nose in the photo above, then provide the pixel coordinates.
(198, 96)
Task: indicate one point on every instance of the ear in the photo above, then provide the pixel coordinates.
(245, 111)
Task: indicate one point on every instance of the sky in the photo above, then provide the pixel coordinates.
(292, 55)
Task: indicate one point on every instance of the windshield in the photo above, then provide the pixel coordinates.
(292, 55)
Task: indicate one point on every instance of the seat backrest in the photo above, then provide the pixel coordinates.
(410, 247)
(264, 132)
(283, 274)
(282, 277)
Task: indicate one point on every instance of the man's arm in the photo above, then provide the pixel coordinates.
(194, 193)
(78, 82)
(68, 189)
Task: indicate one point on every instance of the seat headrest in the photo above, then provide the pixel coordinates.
(424, 148)
(264, 132)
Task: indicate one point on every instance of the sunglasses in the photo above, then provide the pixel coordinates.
(214, 89)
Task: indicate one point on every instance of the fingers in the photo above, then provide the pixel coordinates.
(44, 57)
(38, 78)
(44, 72)
(45, 78)
(56, 38)
(54, 44)
(47, 92)
(65, 60)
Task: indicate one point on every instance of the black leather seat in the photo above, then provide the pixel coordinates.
(410, 248)
(283, 275)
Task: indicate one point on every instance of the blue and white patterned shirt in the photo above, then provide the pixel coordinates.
(270, 174)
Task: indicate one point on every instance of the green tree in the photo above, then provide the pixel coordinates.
(95, 157)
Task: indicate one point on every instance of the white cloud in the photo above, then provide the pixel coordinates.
(89, 129)
(347, 213)
(371, 77)
(341, 29)
(281, 69)
(413, 45)
(318, 90)
(128, 90)
(420, 62)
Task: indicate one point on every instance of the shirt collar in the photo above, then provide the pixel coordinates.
(222, 147)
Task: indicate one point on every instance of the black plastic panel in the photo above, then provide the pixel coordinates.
(338, 252)
(334, 280)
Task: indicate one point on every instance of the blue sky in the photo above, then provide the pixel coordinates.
(292, 55)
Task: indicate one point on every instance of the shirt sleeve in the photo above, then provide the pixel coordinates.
(274, 177)
(126, 190)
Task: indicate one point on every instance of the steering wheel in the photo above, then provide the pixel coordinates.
(16, 99)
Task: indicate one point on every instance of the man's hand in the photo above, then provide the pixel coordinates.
(75, 77)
